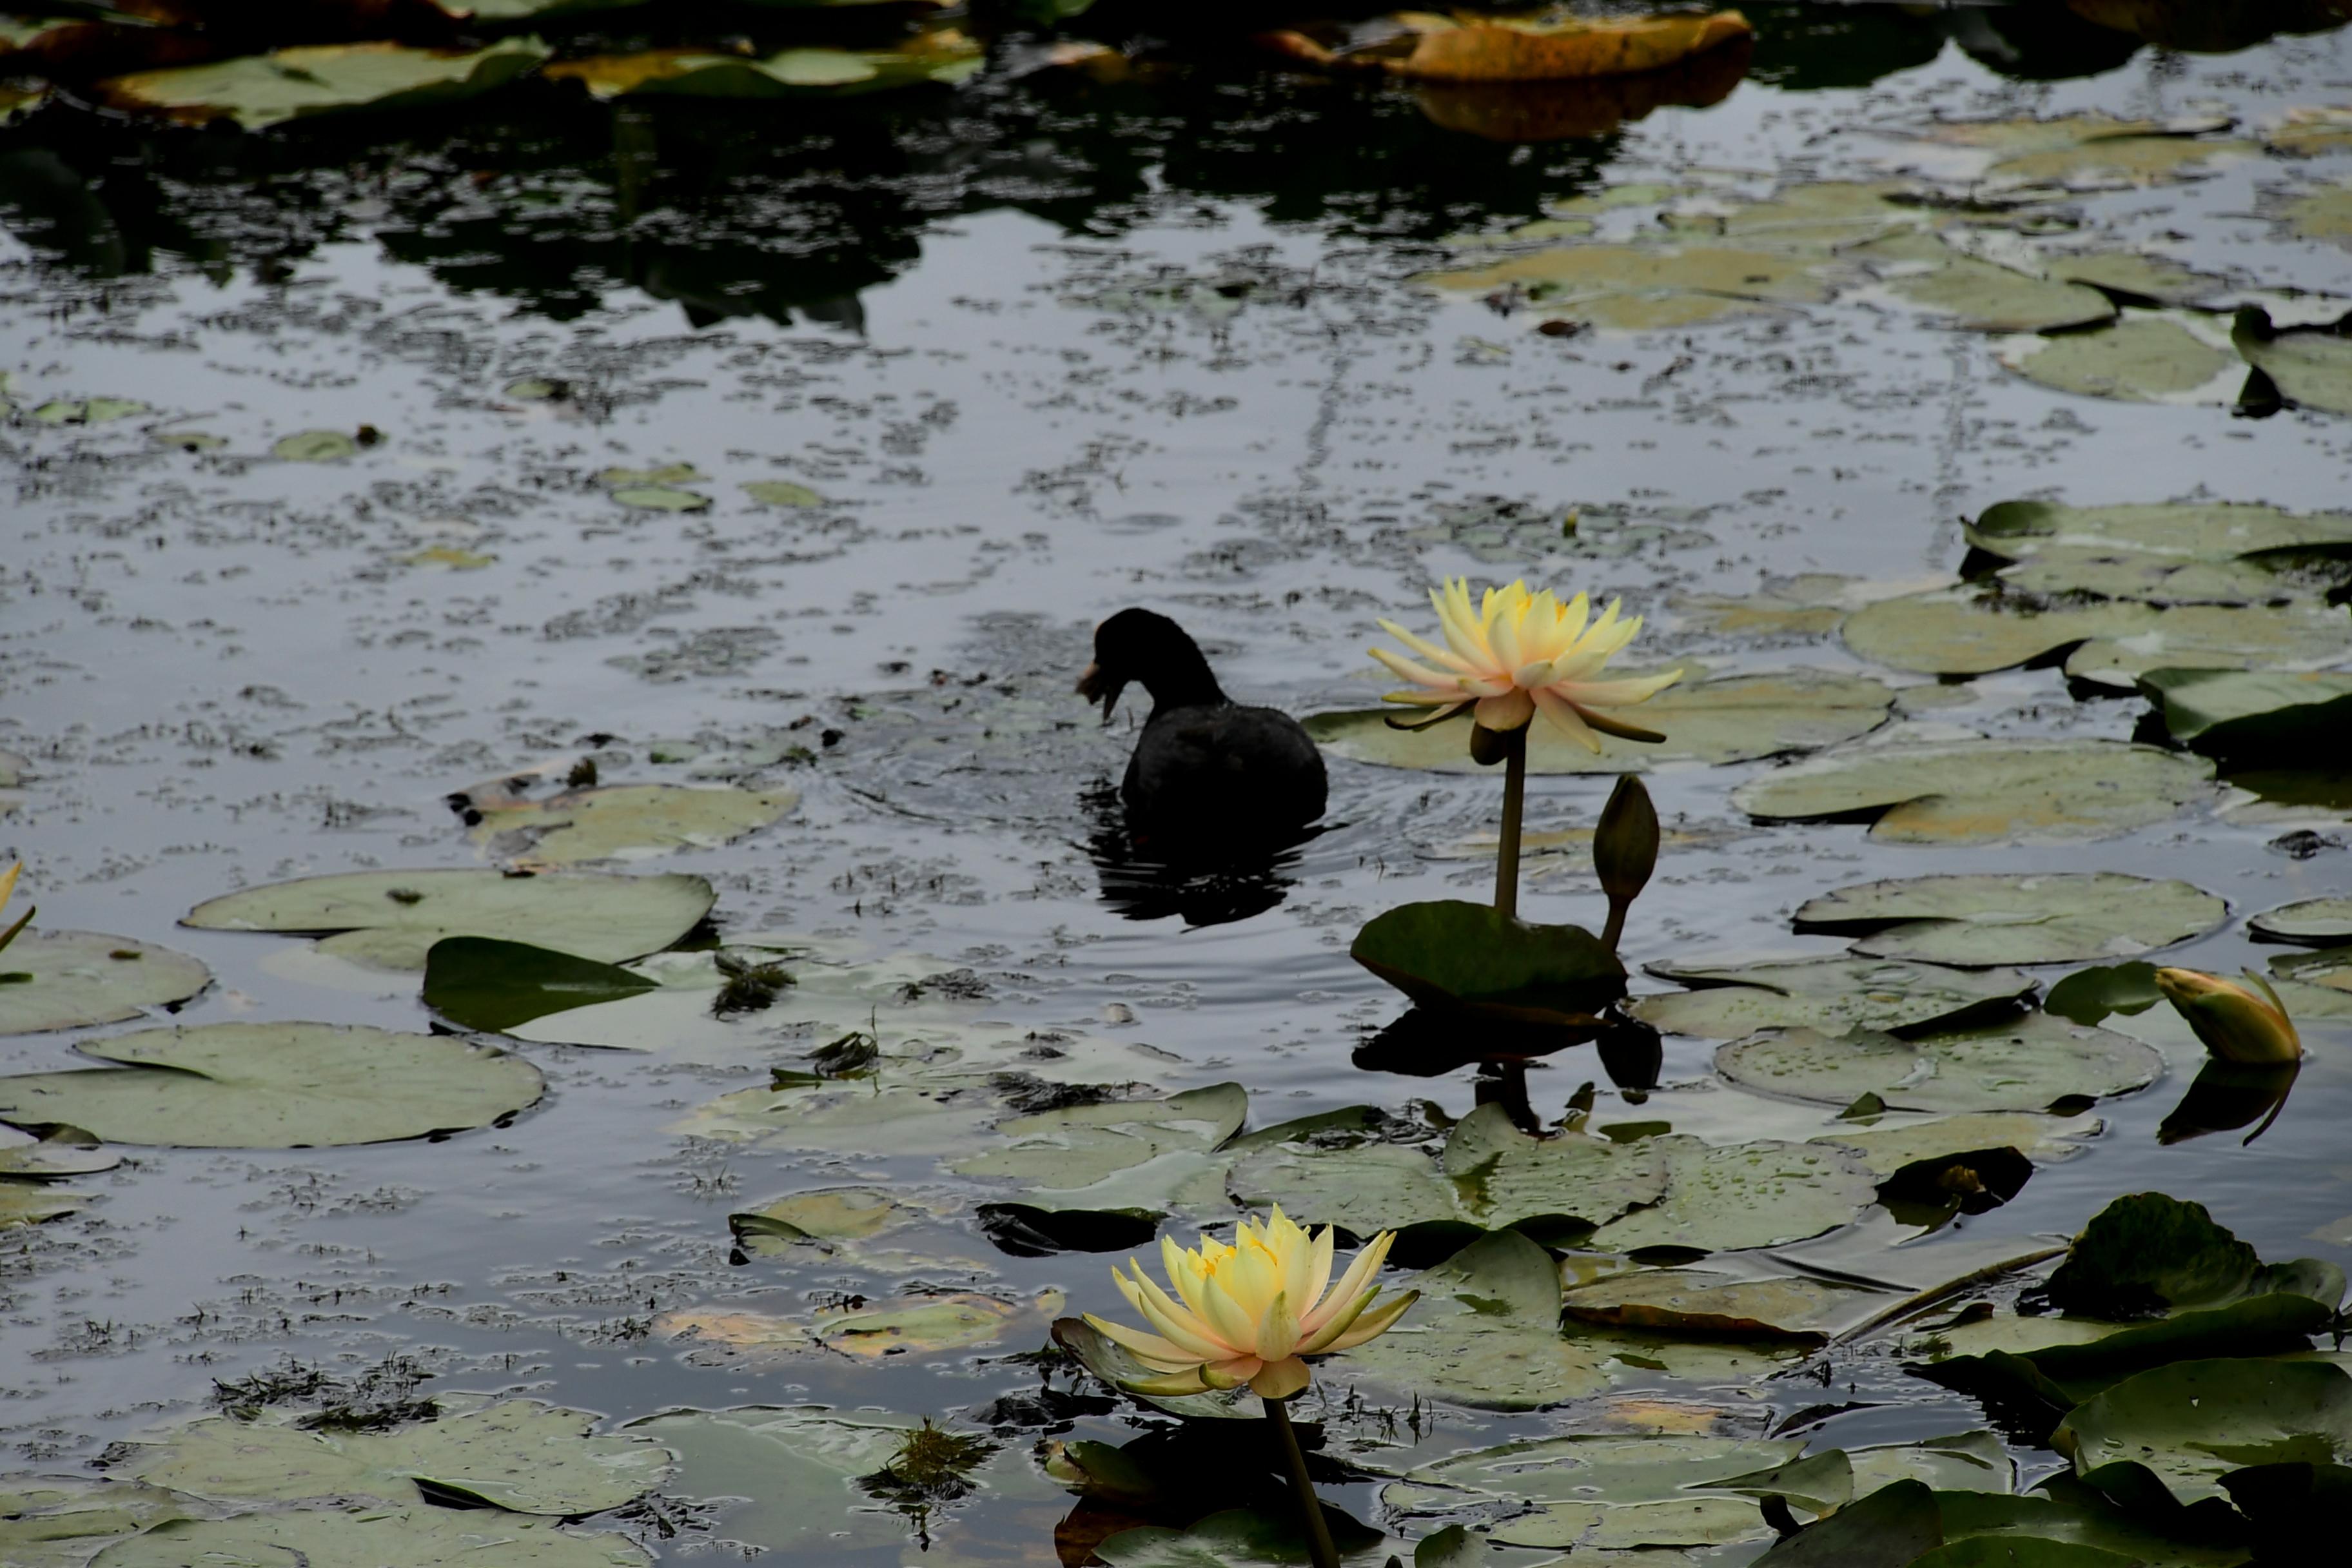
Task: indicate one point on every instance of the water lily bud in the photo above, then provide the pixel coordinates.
(2236, 1024)
(1625, 844)
(8, 885)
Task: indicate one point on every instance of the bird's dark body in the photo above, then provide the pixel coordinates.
(1207, 771)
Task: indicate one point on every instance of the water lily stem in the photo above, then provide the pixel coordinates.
(1615, 929)
(1506, 853)
(1319, 1530)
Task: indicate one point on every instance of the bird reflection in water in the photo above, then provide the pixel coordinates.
(1429, 1041)
(1157, 877)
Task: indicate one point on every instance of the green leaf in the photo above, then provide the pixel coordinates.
(660, 498)
(1243, 1538)
(623, 821)
(261, 91)
(1985, 792)
(1975, 628)
(2146, 357)
(391, 918)
(2188, 1424)
(1077, 1146)
(375, 1537)
(2303, 717)
(314, 447)
(2311, 369)
(1832, 994)
(782, 492)
(1485, 1332)
(1111, 1362)
(2088, 996)
(1699, 1302)
(1978, 296)
(482, 983)
(22, 1203)
(521, 1455)
(2198, 530)
(2031, 1064)
(2315, 922)
(1451, 952)
(1733, 1196)
(942, 58)
(1725, 719)
(2148, 1253)
(2015, 918)
(274, 1085)
(2065, 1512)
(1889, 1529)
(80, 978)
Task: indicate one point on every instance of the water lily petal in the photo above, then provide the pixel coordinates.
(1277, 1331)
(1566, 720)
(1444, 657)
(1622, 693)
(1281, 1379)
(1336, 1323)
(1149, 1349)
(1376, 1323)
(1509, 710)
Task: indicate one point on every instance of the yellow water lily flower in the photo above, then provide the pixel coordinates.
(8, 886)
(1253, 1312)
(2235, 1024)
(1518, 654)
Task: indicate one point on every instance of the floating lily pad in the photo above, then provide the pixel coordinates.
(391, 918)
(482, 983)
(2316, 984)
(1452, 952)
(1243, 1538)
(1702, 1301)
(262, 91)
(2089, 151)
(1485, 1332)
(1983, 791)
(2017, 917)
(2043, 1139)
(626, 822)
(58, 1155)
(373, 1538)
(660, 498)
(1728, 719)
(1133, 1158)
(1976, 629)
(911, 1325)
(2063, 1513)
(1893, 1526)
(314, 447)
(2144, 358)
(274, 1085)
(1638, 287)
(2188, 1426)
(1823, 993)
(1489, 1176)
(24, 1203)
(2137, 276)
(2303, 717)
(824, 1216)
(1728, 1197)
(2315, 922)
(782, 492)
(2202, 531)
(2323, 213)
(2029, 1065)
(2148, 1253)
(521, 1455)
(666, 474)
(942, 57)
(73, 979)
(87, 410)
(1978, 296)
(2311, 369)
(59, 1524)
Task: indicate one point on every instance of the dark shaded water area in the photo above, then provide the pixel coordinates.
(1056, 341)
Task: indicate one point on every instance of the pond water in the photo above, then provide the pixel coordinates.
(1058, 341)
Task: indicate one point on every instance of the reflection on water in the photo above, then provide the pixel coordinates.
(2228, 1095)
(1203, 885)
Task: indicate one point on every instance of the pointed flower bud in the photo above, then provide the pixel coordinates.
(8, 886)
(2236, 1024)
(1626, 844)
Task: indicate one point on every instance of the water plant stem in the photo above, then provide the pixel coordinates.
(1515, 794)
(1615, 929)
(1319, 1530)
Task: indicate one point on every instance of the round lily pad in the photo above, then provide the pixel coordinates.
(1980, 295)
(313, 447)
(274, 1085)
(1452, 954)
(2315, 922)
(1823, 992)
(2312, 369)
(660, 498)
(2299, 717)
(2030, 1064)
(1729, 718)
(521, 1455)
(391, 918)
(22, 1203)
(909, 1325)
(1485, 1332)
(1700, 1301)
(73, 979)
(2192, 1423)
(261, 91)
(1726, 1197)
(626, 822)
(2144, 358)
(1077, 1146)
(782, 492)
(1984, 791)
(62, 1153)
(2043, 1139)
(416, 1537)
(2017, 918)
(1976, 629)
(2203, 531)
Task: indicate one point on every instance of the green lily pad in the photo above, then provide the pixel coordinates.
(660, 498)
(2146, 357)
(2316, 984)
(2200, 530)
(1726, 719)
(1976, 629)
(2303, 717)
(1707, 1302)
(87, 410)
(1891, 1528)
(2315, 922)
(373, 1538)
(667, 475)
(61, 1152)
(274, 1085)
(625, 822)
(1823, 993)
(824, 1216)
(2138, 277)
(782, 492)
(1638, 287)
(1728, 1197)
(943, 57)
(2146, 1253)
(2187, 1425)
(2092, 151)
(1452, 952)
(73, 979)
(2325, 213)
(2044, 1138)
(787, 1479)
(1984, 791)
(521, 1455)
(2016, 918)
(2063, 1512)
(2311, 369)
(314, 447)
(24, 1203)
(261, 91)
(1136, 1159)
(1485, 1332)
(2089, 996)
(1978, 296)
(869, 1331)
(1245, 1538)
(482, 983)
(1490, 1176)
(59, 1524)
(2030, 1064)
(391, 918)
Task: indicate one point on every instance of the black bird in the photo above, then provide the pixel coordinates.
(1206, 772)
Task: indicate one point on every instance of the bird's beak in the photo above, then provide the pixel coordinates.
(1097, 686)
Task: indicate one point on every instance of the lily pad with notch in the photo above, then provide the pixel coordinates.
(390, 920)
(1452, 952)
(1485, 1333)
(1729, 1198)
(620, 822)
(258, 92)
(2034, 1063)
(1735, 999)
(75, 979)
(2014, 918)
(1977, 628)
(274, 1085)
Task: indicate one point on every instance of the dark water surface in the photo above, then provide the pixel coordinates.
(1047, 345)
